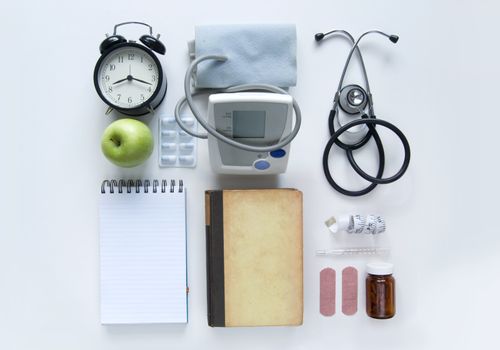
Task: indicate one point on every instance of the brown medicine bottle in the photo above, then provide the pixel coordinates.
(380, 291)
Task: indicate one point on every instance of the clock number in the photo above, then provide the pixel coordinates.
(150, 66)
(149, 89)
(120, 59)
(106, 77)
(129, 100)
(119, 96)
(110, 89)
(130, 56)
(112, 67)
(142, 97)
(154, 78)
(142, 59)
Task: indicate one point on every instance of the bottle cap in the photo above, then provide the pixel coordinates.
(338, 224)
(379, 268)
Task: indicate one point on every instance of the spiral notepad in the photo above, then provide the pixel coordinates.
(143, 252)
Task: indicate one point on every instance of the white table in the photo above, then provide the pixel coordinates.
(442, 247)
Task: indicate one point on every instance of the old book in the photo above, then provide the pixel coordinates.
(254, 257)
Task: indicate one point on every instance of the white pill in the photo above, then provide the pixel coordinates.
(186, 146)
(170, 146)
(186, 159)
(184, 134)
(169, 159)
(188, 121)
(169, 121)
(169, 133)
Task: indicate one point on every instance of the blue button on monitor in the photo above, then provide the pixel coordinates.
(261, 165)
(278, 153)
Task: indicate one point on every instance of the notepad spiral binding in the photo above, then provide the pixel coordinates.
(128, 186)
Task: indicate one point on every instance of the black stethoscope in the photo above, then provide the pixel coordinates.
(355, 101)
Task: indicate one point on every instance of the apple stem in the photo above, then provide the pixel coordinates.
(116, 142)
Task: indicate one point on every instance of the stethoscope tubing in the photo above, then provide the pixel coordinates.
(326, 153)
(378, 178)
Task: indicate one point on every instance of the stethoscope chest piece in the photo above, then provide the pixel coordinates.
(353, 99)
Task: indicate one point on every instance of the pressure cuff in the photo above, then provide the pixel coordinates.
(257, 54)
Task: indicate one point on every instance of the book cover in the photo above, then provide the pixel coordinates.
(254, 257)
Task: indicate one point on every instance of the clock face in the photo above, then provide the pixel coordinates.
(128, 77)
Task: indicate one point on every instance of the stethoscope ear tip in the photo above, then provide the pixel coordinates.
(393, 38)
(319, 36)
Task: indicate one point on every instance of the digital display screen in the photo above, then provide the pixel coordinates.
(249, 124)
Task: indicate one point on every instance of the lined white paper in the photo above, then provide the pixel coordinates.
(143, 257)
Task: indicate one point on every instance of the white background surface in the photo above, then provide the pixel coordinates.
(439, 84)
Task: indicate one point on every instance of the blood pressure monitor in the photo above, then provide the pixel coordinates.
(254, 118)
(248, 132)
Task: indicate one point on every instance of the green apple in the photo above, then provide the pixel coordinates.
(127, 142)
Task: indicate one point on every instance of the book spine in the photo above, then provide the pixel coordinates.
(215, 258)
(208, 255)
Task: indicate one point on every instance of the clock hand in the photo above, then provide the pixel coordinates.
(119, 81)
(129, 78)
(141, 81)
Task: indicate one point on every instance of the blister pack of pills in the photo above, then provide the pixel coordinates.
(176, 147)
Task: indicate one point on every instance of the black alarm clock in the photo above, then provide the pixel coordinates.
(128, 76)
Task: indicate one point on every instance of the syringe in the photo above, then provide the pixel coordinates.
(353, 251)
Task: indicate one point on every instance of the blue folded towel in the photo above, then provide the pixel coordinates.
(257, 54)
